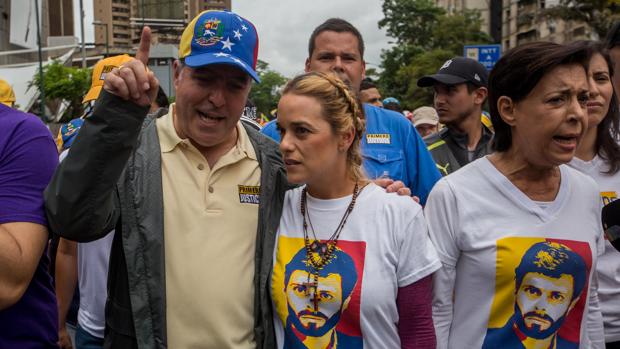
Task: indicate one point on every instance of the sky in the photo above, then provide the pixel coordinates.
(284, 27)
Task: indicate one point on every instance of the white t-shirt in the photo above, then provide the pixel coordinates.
(92, 262)
(608, 266)
(384, 245)
(491, 236)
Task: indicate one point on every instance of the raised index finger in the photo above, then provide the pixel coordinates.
(145, 46)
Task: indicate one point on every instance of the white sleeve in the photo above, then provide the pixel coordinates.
(596, 334)
(417, 257)
(442, 217)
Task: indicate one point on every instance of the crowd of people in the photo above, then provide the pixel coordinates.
(346, 222)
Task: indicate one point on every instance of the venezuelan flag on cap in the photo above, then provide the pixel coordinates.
(220, 37)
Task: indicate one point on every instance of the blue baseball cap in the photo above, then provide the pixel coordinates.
(390, 100)
(220, 37)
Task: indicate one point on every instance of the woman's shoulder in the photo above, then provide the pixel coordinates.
(577, 178)
(376, 196)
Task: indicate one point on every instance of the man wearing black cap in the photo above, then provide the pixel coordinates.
(460, 91)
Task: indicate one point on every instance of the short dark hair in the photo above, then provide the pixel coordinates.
(518, 72)
(366, 84)
(552, 259)
(608, 130)
(613, 36)
(337, 25)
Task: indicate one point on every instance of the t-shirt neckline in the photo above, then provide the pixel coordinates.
(316, 204)
(511, 190)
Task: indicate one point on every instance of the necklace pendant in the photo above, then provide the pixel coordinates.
(316, 246)
(323, 248)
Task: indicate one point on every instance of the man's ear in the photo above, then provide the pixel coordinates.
(176, 70)
(363, 70)
(480, 95)
(307, 65)
(506, 108)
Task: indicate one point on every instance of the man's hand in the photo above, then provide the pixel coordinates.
(64, 340)
(132, 81)
(392, 186)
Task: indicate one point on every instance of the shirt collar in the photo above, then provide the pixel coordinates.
(168, 137)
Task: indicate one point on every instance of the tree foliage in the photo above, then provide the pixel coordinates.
(426, 36)
(61, 83)
(599, 14)
(266, 95)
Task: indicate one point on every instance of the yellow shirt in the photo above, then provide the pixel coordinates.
(210, 220)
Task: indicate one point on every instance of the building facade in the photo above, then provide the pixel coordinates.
(523, 23)
(166, 18)
(514, 22)
(5, 32)
(490, 13)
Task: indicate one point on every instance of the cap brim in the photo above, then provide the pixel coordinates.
(446, 79)
(426, 122)
(92, 94)
(209, 58)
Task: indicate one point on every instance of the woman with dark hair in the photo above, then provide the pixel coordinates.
(612, 43)
(598, 155)
(518, 231)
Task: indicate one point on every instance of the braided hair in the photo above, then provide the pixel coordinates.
(341, 108)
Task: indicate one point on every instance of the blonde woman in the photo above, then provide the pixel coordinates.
(353, 264)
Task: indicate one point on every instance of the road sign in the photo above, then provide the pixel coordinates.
(487, 55)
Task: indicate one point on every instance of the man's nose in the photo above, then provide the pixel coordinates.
(337, 66)
(216, 94)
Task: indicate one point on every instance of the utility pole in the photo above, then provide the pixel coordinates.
(41, 90)
(82, 32)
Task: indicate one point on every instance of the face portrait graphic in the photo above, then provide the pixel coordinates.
(542, 303)
(550, 279)
(316, 311)
(539, 297)
(310, 317)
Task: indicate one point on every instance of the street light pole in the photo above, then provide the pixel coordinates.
(82, 32)
(41, 83)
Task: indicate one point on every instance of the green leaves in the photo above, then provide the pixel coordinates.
(266, 94)
(426, 36)
(64, 83)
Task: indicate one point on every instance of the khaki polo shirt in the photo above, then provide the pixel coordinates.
(210, 220)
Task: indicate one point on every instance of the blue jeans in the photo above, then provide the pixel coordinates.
(85, 340)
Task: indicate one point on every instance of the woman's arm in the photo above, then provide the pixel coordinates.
(415, 325)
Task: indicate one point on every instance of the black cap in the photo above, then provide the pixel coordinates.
(457, 70)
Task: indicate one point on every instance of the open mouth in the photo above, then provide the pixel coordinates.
(566, 140)
(291, 162)
(208, 118)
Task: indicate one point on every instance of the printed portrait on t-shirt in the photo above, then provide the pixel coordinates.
(540, 293)
(322, 314)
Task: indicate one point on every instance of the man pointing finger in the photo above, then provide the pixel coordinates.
(194, 195)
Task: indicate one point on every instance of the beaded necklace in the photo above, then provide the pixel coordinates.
(318, 253)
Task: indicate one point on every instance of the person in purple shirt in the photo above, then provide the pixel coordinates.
(28, 158)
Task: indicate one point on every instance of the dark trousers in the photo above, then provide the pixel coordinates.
(612, 345)
(85, 340)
